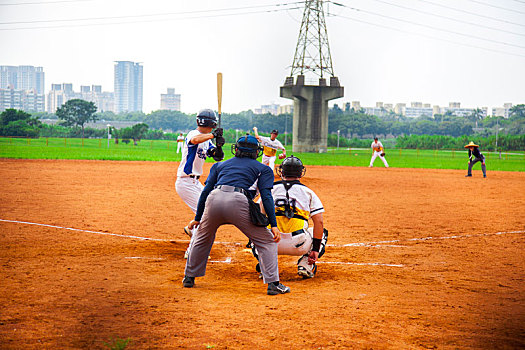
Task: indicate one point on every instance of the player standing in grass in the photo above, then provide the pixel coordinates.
(271, 145)
(377, 151)
(180, 142)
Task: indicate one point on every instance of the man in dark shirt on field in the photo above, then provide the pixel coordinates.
(474, 156)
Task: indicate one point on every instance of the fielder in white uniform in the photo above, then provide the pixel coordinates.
(197, 147)
(180, 142)
(377, 151)
(271, 145)
(294, 205)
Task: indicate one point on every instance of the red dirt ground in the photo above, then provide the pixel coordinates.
(441, 264)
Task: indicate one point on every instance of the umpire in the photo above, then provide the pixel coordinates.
(224, 201)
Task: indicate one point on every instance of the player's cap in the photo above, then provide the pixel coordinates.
(274, 131)
(375, 138)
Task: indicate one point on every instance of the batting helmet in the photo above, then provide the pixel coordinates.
(291, 167)
(207, 118)
(247, 146)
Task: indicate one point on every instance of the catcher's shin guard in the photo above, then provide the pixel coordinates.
(323, 242)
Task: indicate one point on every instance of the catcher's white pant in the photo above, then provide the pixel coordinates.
(179, 146)
(375, 155)
(270, 161)
(296, 245)
(189, 190)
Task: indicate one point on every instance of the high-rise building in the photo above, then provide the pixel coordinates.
(26, 100)
(22, 88)
(128, 86)
(170, 101)
(22, 78)
(61, 93)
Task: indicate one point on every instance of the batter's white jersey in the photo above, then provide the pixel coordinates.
(193, 156)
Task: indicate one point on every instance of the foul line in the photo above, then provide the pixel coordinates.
(363, 244)
(388, 243)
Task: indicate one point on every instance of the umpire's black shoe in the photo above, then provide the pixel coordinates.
(277, 289)
(188, 282)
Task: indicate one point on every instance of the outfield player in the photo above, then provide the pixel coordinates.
(271, 145)
(294, 205)
(474, 156)
(377, 151)
(223, 201)
(197, 147)
(180, 142)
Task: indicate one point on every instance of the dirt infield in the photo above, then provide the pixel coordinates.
(416, 259)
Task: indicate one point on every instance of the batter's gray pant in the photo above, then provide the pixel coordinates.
(483, 167)
(224, 206)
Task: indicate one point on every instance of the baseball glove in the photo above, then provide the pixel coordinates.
(382, 154)
(282, 156)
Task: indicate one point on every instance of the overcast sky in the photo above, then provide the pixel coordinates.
(395, 51)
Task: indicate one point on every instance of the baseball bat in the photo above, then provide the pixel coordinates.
(219, 94)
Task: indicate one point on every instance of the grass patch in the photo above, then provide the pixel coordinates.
(163, 150)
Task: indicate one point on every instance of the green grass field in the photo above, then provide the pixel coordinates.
(160, 150)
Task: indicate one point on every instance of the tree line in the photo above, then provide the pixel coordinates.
(355, 127)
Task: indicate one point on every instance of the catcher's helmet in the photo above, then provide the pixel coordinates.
(291, 167)
(247, 146)
(207, 118)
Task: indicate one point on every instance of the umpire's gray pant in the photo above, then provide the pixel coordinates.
(223, 206)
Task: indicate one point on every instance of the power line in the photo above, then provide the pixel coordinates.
(430, 36)
(153, 19)
(498, 7)
(430, 27)
(472, 13)
(147, 15)
(449, 18)
(42, 3)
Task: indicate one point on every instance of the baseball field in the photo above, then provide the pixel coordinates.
(92, 252)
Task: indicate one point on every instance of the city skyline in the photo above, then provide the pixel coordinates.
(423, 52)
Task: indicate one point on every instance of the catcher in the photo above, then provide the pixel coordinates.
(271, 145)
(294, 205)
(377, 151)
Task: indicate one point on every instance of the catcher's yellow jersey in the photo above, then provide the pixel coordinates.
(303, 202)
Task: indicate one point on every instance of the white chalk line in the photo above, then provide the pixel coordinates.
(228, 260)
(110, 234)
(359, 264)
(388, 243)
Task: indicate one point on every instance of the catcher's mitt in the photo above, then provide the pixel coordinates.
(382, 154)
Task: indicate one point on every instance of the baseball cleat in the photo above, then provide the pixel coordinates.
(188, 231)
(277, 289)
(188, 282)
(468, 175)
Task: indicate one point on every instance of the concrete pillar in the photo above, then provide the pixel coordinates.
(310, 116)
